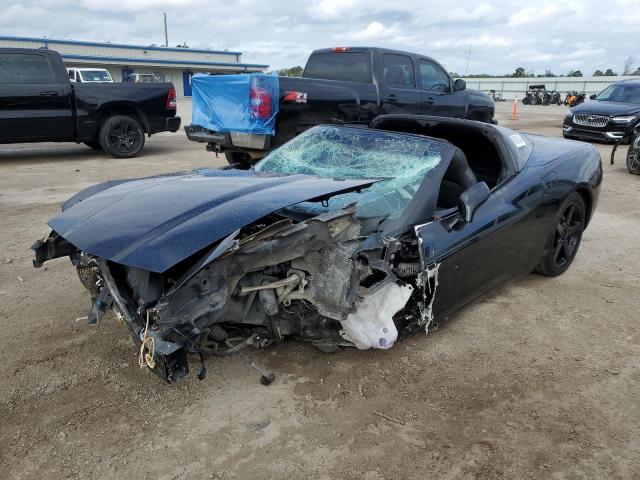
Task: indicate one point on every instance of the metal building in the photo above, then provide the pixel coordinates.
(175, 65)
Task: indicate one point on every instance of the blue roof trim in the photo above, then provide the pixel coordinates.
(114, 45)
(167, 62)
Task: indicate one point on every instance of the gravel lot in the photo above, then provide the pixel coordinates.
(539, 380)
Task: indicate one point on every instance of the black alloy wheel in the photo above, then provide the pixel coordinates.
(633, 156)
(564, 240)
(121, 136)
(568, 235)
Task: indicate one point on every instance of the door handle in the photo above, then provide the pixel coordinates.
(392, 99)
(429, 101)
(49, 93)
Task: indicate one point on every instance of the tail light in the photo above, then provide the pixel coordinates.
(260, 102)
(339, 49)
(172, 103)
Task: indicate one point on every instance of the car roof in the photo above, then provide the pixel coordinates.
(635, 82)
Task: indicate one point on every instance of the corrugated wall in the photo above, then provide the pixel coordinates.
(510, 87)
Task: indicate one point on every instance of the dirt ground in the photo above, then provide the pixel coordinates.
(539, 380)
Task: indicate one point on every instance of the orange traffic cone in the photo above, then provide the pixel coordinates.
(514, 113)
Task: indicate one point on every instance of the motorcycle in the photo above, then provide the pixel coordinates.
(497, 97)
(574, 98)
(555, 98)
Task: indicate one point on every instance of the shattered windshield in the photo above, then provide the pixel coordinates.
(399, 161)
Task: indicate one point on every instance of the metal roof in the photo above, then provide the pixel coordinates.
(114, 45)
(162, 62)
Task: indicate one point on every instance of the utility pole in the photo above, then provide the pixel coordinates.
(466, 70)
(166, 35)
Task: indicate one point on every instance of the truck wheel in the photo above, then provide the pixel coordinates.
(94, 145)
(239, 160)
(121, 136)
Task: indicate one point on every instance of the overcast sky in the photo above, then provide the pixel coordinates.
(504, 34)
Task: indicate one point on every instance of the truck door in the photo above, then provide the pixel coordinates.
(400, 94)
(437, 91)
(35, 101)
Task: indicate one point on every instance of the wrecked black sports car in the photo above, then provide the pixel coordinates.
(344, 236)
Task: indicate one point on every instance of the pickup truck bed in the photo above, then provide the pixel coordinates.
(350, 85)
(38, 103)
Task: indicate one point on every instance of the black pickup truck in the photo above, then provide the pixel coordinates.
(352, 85)
(38, 103)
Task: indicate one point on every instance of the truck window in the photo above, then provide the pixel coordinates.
(348, 66)
(24, 68)
(398, 70)
(433, 77)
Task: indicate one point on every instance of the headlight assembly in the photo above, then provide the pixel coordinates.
(624, 119)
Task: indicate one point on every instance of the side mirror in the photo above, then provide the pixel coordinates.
(471, 199)
(592, 97)
(459, 84)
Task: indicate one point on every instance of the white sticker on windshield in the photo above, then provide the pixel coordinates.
(517, 140)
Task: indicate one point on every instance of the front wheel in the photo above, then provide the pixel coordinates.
(564, 240)
(121, 136)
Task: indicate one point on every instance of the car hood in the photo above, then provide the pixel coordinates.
(598, 107)
(154, 223)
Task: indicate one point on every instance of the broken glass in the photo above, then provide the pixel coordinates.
(399, 161)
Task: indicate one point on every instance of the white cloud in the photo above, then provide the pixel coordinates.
(374, 31)
(503, 34)
(534, 14)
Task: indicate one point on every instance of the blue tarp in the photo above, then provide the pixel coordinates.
(235, 103)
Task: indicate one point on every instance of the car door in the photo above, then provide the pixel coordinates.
(504, 240)
(34, 103)
(400, 94)
(437, 91)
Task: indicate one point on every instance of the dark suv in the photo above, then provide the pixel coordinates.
(610, 116)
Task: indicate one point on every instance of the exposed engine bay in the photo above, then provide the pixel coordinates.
(320, 280)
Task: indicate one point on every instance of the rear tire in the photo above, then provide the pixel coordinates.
(564, 240)
(93, 145)
(121, 136)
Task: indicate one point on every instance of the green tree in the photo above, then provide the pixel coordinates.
(290, 72)
(598, 73)
(574, 73)
(610, 73)
(519, 73)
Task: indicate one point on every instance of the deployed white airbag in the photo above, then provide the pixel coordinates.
(371, 326)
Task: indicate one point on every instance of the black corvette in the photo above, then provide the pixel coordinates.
(344, 236)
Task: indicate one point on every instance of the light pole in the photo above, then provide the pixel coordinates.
(166, 34)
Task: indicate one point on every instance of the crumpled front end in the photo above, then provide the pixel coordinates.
(322, 280)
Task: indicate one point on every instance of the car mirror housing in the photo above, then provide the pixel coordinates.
(593, 97)
(471, 199)
(459, 84)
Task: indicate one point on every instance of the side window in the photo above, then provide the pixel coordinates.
(24, 68)
(398, 70)
(433, 77)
